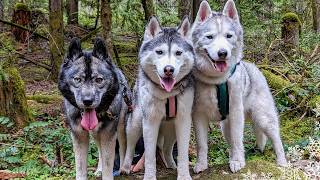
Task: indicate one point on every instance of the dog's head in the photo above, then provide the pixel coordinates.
(217, 39)
(166, 54)
(86, 78)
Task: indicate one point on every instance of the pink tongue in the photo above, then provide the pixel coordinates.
(167, 83)
(221, 65)
(89, 120)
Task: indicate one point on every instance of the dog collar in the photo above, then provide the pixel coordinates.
(223, 96)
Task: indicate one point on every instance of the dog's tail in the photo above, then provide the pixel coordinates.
(261, 138)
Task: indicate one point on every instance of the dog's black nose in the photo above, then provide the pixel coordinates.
(222, 53)
(168, 70)
(87, 102)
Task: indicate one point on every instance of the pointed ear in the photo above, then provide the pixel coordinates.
(204, 12)
(152, 29)
(74, 49)
(230, 10)
(100, 49)
(184, 27)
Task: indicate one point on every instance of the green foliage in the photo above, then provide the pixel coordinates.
(6, 122)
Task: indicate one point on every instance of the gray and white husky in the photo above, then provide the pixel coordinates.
(92, 88)
(166, 59)
(218, 42)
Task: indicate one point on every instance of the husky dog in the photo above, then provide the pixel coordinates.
(92, 88)
(166, 60)
(218, 42)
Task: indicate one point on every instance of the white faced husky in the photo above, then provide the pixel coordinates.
(164, 98)
(229, 89)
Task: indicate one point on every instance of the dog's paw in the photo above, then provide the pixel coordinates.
(235, 166)
(200, 167)
(98, 173)
(125, 169)
(149, 178)
(184, 177)
(282, 162)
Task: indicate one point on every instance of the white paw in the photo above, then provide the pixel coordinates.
(236, 165)
(282, 162)
(184, 177)
(149, 178)
(125, 169)
(200, 167)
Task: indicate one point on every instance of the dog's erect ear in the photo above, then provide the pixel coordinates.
(153, 28)
(184, 27)
(204, 12)
(100, 49)
(74, 49)
(230, 10)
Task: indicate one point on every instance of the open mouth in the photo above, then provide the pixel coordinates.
(89, 119)
(220, 65)
(167, 83)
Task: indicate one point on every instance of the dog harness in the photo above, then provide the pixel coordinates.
(223, 96)
(171, 107)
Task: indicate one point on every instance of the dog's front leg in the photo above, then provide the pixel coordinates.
(234, 134)
(151, 125)
(80, 147)
(183, 128)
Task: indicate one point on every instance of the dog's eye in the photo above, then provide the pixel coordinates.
(229, 35)
(178, 53)
(209, 37)
(159, 52)
(77, 80)
(99, 80)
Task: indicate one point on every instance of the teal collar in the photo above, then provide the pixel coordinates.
(223, 95)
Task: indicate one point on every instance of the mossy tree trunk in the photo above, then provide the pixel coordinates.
(195, 7)
(148, 8)
(56, 38)
(1, 16)
(184, 8)
(12, 97)
(22, 16)
(106, 23)
(316, 15)
(72, 11)
(290, 31)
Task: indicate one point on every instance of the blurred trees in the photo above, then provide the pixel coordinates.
(72, 8)
(106, 23)
(148, 8)
(316, 15)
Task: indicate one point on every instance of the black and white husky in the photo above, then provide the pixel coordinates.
(164, 98)
(92, 88)
(229, 89)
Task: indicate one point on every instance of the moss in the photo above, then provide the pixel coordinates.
(275, 81)
(126, 46)
(292, 17)
(302, 129)
(46, 99)
(314, 101)
(22, 7)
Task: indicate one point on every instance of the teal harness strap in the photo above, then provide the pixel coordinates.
(223, 96)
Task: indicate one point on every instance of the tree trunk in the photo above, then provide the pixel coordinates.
(316, 15)
(56, 38)
(22, 16)
(1, 15)
(184, 8)
(106, 23)
(290, 31)
(148, 8)
(72, 11)
(13, 99)
(98, 14)
(195, 7)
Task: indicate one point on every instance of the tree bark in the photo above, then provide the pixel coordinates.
(1, 15)
(290, 31)
(148, 8)
(22, 16)
(316, 15)
(57, 37)
(12, 97)
(106, 23)
(72, 11)
(184, 8)
(98, 14)
(195, 7)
